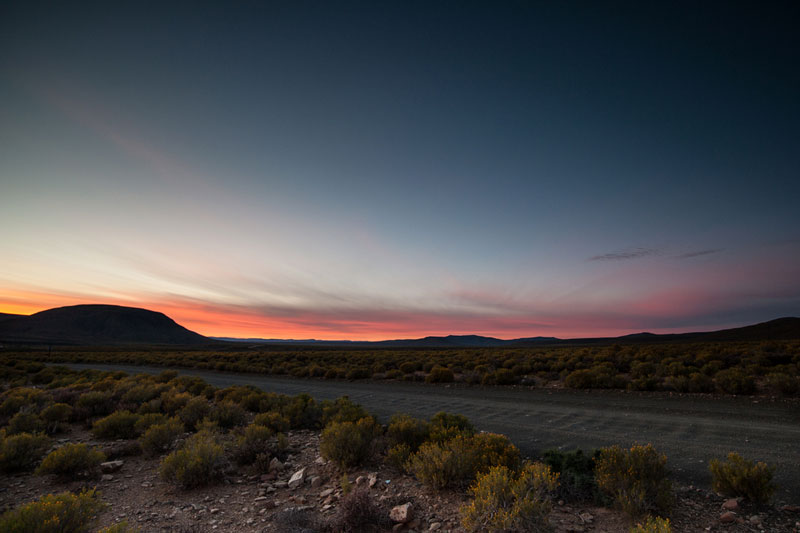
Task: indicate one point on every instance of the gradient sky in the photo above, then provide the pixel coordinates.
(376, 170)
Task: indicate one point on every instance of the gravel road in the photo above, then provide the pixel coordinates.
(690, 429)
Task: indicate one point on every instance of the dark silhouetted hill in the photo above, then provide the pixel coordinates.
(96, 325)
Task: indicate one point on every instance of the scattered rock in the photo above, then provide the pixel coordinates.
(401, 513)
(727, 517)
(435, 526)
(111, 466)
(297, 479)
(731, 504)
(275, 465)
(106, 477)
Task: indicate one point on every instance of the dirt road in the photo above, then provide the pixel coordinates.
(690, 429)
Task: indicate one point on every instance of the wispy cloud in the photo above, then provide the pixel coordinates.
(698, 253)
(622, 255)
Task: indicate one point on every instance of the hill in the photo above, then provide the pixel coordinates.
(95, 325)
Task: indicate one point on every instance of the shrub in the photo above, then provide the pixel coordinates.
(398, 456)
(404, 429)
(147, 420)
(440, 374)
(734, 381)
(120, 527)
(456, 462)
(71, 460)
(254, 442)
(55, 416)
(22, 451)
(357, 512)
(505, 501)
(117, 425)
(653, 524)
(194, 411)
(54, 513)
(228, 414)
(576, 474)
(741, 477)
(348, 443)
(23, 422)
(96, 403)
(783, 384)
(635, 479)
(303, 412)
(273, 420)
(159, 438)
(445, 426)
(201, 461)
(342, 410)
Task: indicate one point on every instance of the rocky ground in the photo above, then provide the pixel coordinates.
(305, 492)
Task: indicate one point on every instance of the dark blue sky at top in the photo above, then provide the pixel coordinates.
(471, 128)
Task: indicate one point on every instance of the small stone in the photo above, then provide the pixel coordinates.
(373, 479)
(360, 480)
(316, 482)
(106, 477)
(791, 508)
(731, 504)
(398, 527)
(275, 465)
(297, 479)
(320, 461)
(727, 517)
(435, 526)
(111, 466)
(326, 492)
(401, 513)
(755, 519)
(214, 510)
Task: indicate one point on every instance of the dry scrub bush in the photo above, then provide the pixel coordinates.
(405, 429)
(349, 444)
(24, 422)
(159, 438)
(228, 414)
(117, 425)
(195, 410)
(22, 452)
(505, 501)
(54, 513)
(124, 527)
(635, 479)
(72, 460)
(201, 461)
(55, 416)
(147, 420)
(456, 462)
(357, 512)
(440, 374)
(741, 477)
(256, 440)
(576, 474)
(653, 524)
(445, 426)
(273, 420)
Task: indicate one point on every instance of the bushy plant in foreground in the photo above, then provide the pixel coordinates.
(22, 452)
(24, 422)
(54, 513)
(635, 479)
(228, 414)
(456, 462)
(72, 460)
(576, 474)
(504, 500)
(357, 512)
(405, 429)
(741, 477)
(147, 420)
(444, 426)
(201, 461)
(194, 412)
(653, 524)
(255, 440)
(348, 444)
(55, 416)
(117, 425)
(159, 438)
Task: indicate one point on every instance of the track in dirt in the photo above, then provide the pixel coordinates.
(689, 429)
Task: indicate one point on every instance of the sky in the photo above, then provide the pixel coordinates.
(379, 170)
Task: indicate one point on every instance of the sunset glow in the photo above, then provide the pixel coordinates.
(507, 171)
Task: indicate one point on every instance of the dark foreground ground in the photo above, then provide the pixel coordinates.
(689, 429)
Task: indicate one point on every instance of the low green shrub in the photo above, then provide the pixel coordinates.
(55, 416)
(195, 410)
(147, 420)
(398, 456)
(159, 438)
(440, 374)
(303, 412)
(201, 461)
(96, 403)
(117, 425)
(72, 460)
(342, 410)
(358, 512)
(445, 426)
(405, 429)
(735, 381)
(741, 477)
(22, 451)
(24, 422)
(228, 414)
(348, 444)
(576, 474)
(55, 513)
(635, 479)
(504, 500)
(273, 420)
(653, 524)
(256, 440)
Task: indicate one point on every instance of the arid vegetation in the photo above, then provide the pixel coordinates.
(724, 367)
(200, 435)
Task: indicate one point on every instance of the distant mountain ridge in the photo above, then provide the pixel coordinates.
(96, 325)
(111, 325)
(778, 329)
